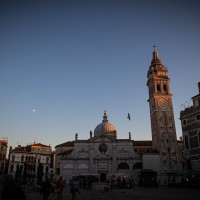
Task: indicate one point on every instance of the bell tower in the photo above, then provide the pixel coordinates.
(161, 113)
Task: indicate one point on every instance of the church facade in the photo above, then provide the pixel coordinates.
(102, 154)
(105, 155)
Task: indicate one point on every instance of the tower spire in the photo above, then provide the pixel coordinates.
(161, 113)
(155, 57)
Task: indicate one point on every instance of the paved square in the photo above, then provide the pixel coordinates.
(138, 193)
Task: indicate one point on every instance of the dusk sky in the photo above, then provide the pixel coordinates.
(62, 63)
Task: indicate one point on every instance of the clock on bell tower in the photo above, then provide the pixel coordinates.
(161, 113)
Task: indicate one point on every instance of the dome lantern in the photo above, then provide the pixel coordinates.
(105, 117)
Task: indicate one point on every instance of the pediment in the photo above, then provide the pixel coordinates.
(103, 137)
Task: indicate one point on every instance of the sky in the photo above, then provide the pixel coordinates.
(62, 63)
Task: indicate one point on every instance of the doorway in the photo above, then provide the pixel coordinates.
(103, 177)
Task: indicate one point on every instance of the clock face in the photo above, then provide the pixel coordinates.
(163, 103)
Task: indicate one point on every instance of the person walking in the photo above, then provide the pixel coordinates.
(74, 187)
(46, 188)
(60, 184)
(11, 190)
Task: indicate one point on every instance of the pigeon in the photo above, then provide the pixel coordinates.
(129, 117)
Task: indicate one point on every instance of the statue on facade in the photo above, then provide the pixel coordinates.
(76, 136)
(90, 134)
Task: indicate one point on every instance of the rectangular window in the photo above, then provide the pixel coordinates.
(11, 168)
(58, 171)
(184, 122)
(198, 117)
(47, 169)
(195, 102)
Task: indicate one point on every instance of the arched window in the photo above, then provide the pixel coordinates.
(17, 167)
(186, 142)
(47, 169)
(123, 166)
(165, 89)
(31, 158)
(22, 159)
(47, 160)
(13, 158)
(158, 88)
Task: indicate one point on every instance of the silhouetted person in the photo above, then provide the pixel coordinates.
(11, 191)
(60, 184)
(46, 188)
(74, 187)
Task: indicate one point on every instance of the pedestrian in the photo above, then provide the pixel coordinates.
(46, 188)
(74, 187)
(11, 190)
(53, 184)
(60, 184)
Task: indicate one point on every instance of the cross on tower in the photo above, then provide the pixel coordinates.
(154, 46)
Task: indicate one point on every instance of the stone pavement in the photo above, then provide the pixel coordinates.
(137, 193)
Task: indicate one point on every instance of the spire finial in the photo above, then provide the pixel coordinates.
(154, 47)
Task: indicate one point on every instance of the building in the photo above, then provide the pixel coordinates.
(3, 154)
(190, 121)
(102, 154)
(162, 116)
(106, 155)
(30, 156)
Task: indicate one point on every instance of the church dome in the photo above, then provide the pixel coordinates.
(105, 127)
